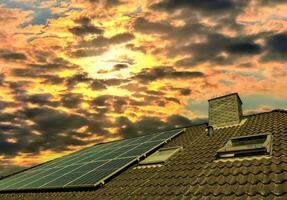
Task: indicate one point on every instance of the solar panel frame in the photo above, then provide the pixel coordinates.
(136, 149)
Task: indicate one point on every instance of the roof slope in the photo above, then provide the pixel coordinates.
(192, 172)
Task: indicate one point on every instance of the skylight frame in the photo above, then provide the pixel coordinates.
(156, 158)
(258, 148)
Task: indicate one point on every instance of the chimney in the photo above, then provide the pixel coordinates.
(225, 110)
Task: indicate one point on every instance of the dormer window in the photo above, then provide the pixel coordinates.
(160, 156)
(251, 145)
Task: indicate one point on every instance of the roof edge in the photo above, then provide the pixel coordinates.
(274, 110)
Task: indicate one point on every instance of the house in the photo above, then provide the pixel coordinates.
(231, 157)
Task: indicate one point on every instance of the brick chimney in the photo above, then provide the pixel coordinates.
(225, 110)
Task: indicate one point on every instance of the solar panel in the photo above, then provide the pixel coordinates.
(88, 167)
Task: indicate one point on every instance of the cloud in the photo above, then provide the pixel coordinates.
(54, 126)
(276, 47)
(120, 66)
(178, 33)
(71, 100)
(85, 27)
(142, 125)
(77, 78)
(213, 48)
(40, 99)
(115, 68)
(259, 109)
(57, 63)
(143, 25)
(102, 41)
(206, 6)
(98, 45)
(88, 52)
(165, 72)
(98, 85)
(108, 3)
(248, 48)
(8, 55)
(185, 91)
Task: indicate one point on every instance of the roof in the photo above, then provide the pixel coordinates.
(193, 173)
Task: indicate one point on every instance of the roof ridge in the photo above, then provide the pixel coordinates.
(274, 110)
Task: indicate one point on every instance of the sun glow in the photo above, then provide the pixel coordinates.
(101, 67)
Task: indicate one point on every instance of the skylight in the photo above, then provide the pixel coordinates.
(160, 156)
(251, 145)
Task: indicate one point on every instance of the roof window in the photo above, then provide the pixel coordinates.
(252, 145)
(160, 156)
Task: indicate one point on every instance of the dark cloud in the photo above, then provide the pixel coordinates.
(2, 78)
(94, 84)
(98, 85)
(244, 48)
(165, 72)
(148, 125)
(54, 126)
(278, 43)
(98, 45)
(78, 78)
(102, 41)
(9, 148)
(88, 52)
(133, 47)
(119, 66)
(40, 99)
(114, 81)
(55, 64)
(6, 104)
(18, 87)
(276, 47)
(71, 100)
(111, 103)
(85, 27)
(8, 55)
(179, 33)
(84, 30)
(272, 2)
(143, 25)
(24, 72)
(142, 126)
(118, 104)
(30, 73)
(52, 121)
(52, 79)
(208, 6)
(116, 67)
(108, 3)
(185, 91)
(211, 50)
(178, 121)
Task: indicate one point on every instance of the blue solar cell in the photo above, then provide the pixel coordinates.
(117, 152)
(61, 181)
(88, 166)
(33, 176)
(98, 174)
(89, 179)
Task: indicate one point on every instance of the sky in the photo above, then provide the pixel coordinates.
(74, 73)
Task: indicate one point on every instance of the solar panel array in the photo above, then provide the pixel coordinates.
(87, 167)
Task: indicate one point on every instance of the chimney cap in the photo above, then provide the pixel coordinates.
(227, 96)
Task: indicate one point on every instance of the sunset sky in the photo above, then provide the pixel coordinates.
(77, 72)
